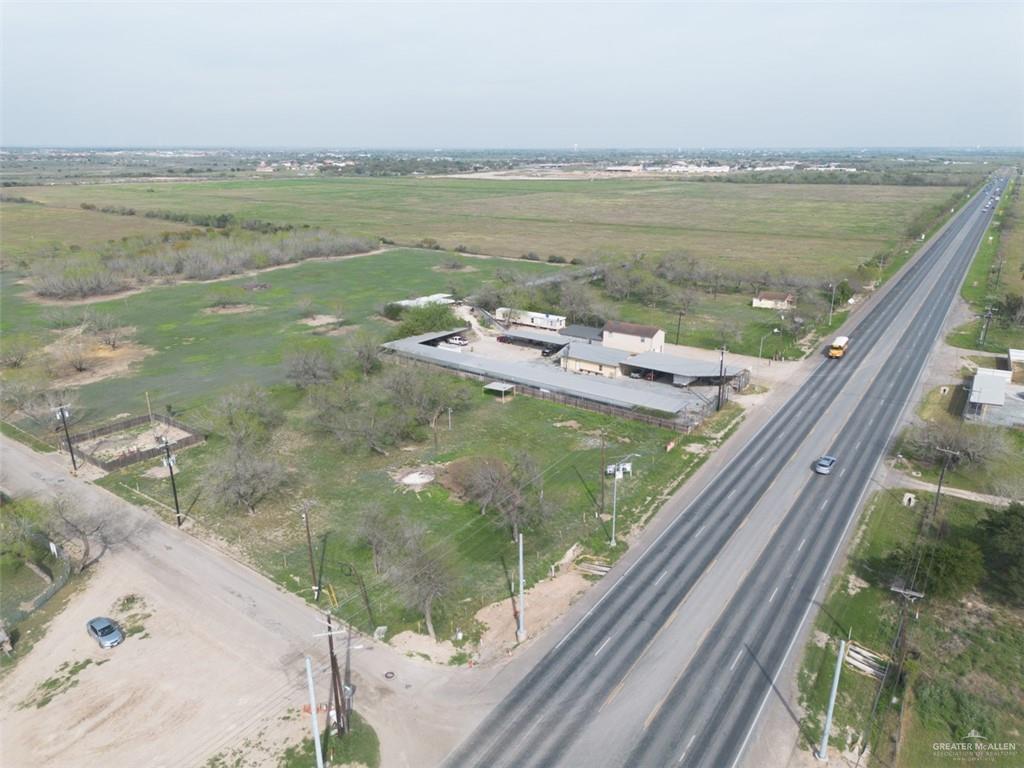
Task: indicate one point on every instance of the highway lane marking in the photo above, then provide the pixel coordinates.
(842, 537)
(731, 493)
(802, 542)
(842, 471)
(823, 504)
(663, 575)
(688, 745)
(736, 661)
(700, 531)
(606, 641)
(773, 594)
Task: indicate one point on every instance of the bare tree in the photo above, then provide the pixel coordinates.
(15, 348)
(78, 530)
(422, 578)
(364, 349)
(243, 415)
(378, 530)
(72, 352)
(973, 444)
(108, 330)
(514, 491)
(309, 366)
(243, 477)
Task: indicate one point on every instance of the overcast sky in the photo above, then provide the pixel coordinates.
(512, 75)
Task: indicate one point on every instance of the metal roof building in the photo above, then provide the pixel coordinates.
(586, 332)
(595, 353)
(536, 337)
(679, 366)
(989, 387)
(546, 376)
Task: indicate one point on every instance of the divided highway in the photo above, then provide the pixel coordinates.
(673, 665)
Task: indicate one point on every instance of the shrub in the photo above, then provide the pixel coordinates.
(555, 259)
(392, 311)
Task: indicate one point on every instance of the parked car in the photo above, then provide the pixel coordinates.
(458, 341)
(105, 632)
(823, 466)
(504, 339)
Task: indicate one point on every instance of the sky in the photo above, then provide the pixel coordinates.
(511, 75)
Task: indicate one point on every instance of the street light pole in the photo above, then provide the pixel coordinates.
(832, 305)
(169, 462)
(721, 379)
(615, 500)
(62, 414)
(822, 753)
(521, 629)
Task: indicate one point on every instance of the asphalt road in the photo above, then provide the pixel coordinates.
(674, 663)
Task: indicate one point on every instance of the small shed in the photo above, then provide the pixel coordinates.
(502, 388)
(987, 389)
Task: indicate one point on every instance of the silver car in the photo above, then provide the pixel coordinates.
(823, 466)
(105, 632)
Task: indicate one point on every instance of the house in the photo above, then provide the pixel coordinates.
(987, 389)
(581, 357)
(632, 337)
(774, 300)
(532, 319)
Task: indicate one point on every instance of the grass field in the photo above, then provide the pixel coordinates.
(987, 282)
(817, 230)
(563, 441)
(197, 355)
(967, 651)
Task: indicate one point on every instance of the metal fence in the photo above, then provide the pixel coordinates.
(134, 456)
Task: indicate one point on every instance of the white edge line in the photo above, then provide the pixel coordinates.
(606, 641)
(774, 592)
(854, 514)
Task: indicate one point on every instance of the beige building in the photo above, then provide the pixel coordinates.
(633, 338)
(580, 357)
(773, 300)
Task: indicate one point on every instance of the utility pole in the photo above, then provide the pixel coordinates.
(521, 629)
(989, 312)
(603, 470)
(822, 753)
(721, 378)
(312, 712)
(615, 500)
(62, 413)
(832, 305)
(679, 325)
(169, 462)
(340, 714)
(304, 507)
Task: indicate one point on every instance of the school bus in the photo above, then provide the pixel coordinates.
(839, 346)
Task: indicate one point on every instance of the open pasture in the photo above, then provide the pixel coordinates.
(817, 230)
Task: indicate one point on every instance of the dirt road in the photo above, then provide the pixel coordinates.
(219, 660)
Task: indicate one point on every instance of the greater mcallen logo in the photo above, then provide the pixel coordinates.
(974, 746)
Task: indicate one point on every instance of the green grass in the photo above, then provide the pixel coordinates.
(359, 746)
(984, 479)
(199, 354)
(18, 584)
(344, 483)
(954, 648)
(818, 230)
(33, 442)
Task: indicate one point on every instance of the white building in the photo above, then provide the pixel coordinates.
(633, 338)
(773, 300)
(987, 389)
(531, 319)
(580, 357)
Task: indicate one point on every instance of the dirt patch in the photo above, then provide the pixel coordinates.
(855, 584)
(460, 268)
(415, 479)
(571, 424)
(546, 602)
(342, 330)
(415, 645)
(318, 320)
(231, 309)
(108, 447)
(696, 448)
(100, 361)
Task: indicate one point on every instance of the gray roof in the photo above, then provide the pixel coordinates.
(582, 332)
(544, 375)
(679, 366)
(1016, 357)
(537, 337)
(989, 387)
(632, 329)
(595, 353)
